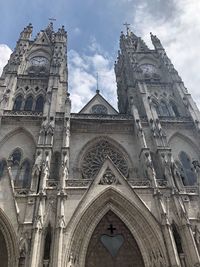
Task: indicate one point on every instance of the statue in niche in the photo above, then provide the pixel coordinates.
(149, 166)
(65, 163)
(42, 133)
(50, 131)
(45, 171)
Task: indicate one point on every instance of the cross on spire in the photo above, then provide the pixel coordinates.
(127, 27)
(111, 229)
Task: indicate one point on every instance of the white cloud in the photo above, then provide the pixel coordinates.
(83, 77)
(5, 52)
(180, 37)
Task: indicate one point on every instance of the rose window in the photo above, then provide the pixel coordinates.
(95, 157)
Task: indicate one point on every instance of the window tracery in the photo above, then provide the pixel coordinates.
(95, 157)
(99, 109)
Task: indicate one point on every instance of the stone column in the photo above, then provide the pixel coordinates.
(58, 251)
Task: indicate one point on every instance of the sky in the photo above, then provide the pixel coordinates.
(94, 28)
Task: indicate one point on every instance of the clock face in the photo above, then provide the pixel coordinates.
(148, 69)
(39, 61)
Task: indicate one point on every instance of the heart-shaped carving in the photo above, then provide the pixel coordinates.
(112, 243)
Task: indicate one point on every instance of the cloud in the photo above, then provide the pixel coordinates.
(5, 52)
(180, 37)
(83, 69)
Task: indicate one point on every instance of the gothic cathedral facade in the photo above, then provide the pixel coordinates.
(98, 188)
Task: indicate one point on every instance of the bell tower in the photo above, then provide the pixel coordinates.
(36, 73)
(147, 76)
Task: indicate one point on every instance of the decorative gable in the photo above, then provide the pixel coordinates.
(98, 105)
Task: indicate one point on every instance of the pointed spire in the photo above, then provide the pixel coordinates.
(156, 42)
(26, 33)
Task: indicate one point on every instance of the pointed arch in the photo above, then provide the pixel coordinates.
(28, 103)
(141, 223)
(185, 139)
(174, 108)
(16, 131)
(8, 233)
(18, 103)
(164, 109)
(39, 104)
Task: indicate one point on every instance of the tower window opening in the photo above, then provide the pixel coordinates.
(174, 109)
(164, 109)
(28, 104)
(39, 104)
(47, 244)
(18, 103)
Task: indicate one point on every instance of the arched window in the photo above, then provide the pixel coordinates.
(18, 103)
(174, 109)
(189, 177)
(2, 167)
(55, 166)
(28, 104)
(177, 239)
(164, 109)
(25, 174)
(157, 108)
(39, 104)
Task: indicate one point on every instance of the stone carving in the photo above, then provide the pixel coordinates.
(108, 178)
(95, 157)
(47, 131)
(157, 259)
(65, 168)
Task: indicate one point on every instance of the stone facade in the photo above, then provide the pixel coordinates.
(98, 187)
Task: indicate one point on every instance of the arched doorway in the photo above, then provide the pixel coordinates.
(112, 245)
(3, 251)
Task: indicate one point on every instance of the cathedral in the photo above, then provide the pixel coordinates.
(101, 187)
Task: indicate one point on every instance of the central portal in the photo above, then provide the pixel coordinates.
(112, 245)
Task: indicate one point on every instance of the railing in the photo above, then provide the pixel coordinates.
(191, 189)
(52, 184)
(101, 116)
(140, 183)
(22, 113)
(78, 183)
(21, 191)
(175, 119)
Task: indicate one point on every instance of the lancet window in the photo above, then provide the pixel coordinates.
(18, 103)
(188, 174)
(39, 104)
(28, 103)
(97, 154)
